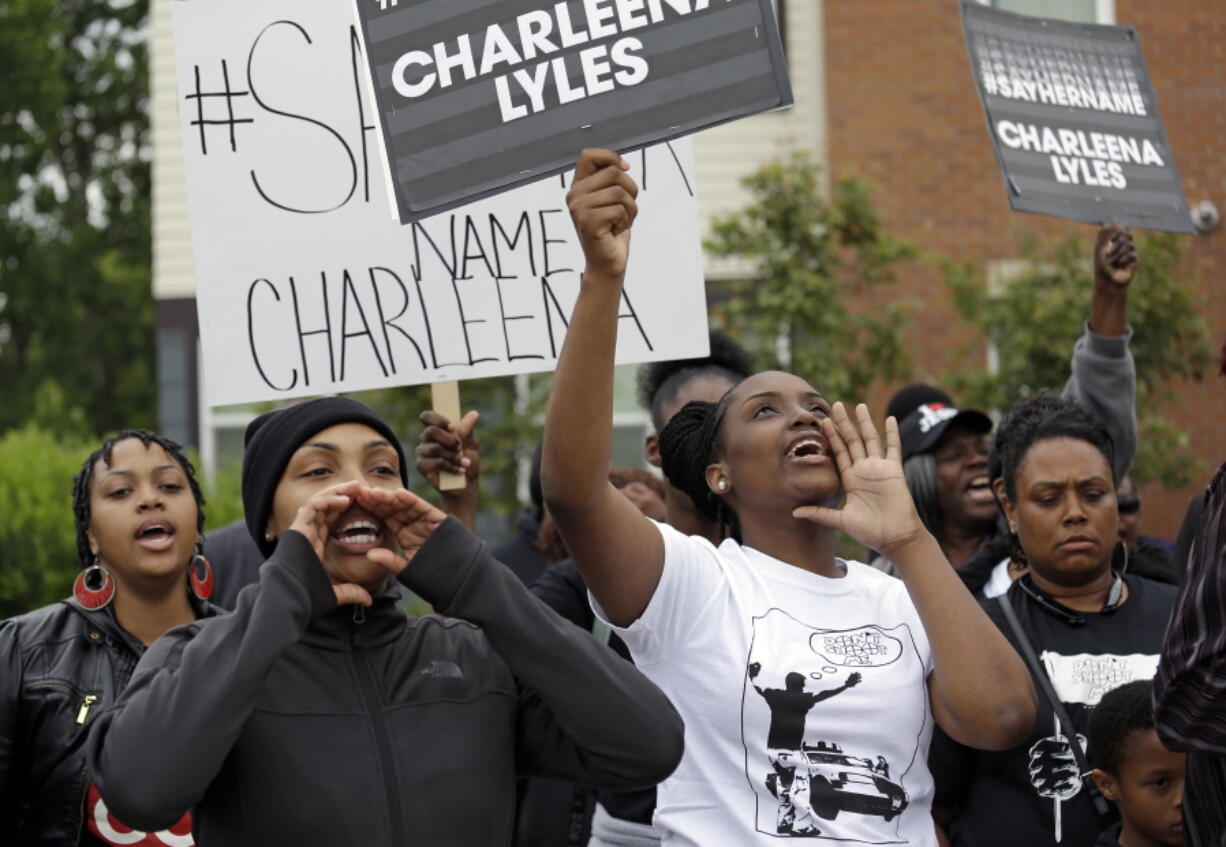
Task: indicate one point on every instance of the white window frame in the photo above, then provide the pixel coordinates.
(1104, 10)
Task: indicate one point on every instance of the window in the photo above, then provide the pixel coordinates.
(1081, 11)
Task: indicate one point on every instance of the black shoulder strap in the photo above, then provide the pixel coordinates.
(1036, 667)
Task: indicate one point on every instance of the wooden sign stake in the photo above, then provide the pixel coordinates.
(445, 399)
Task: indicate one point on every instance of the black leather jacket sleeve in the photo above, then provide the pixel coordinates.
(585, 714)
(10, 738)
(153, 755)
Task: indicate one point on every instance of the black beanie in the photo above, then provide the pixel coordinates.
(274, 437)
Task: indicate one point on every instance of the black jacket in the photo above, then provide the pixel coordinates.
(235, 559)
(1109, 837)
(61, 666)
(520, 553)
(295, 721)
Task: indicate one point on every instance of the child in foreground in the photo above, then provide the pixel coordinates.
(1138, 774)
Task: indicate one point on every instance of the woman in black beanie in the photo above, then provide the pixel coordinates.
(318, 714)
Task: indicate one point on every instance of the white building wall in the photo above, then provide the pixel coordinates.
(173, 274)
(725, 154)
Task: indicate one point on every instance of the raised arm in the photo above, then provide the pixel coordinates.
(1104, 376)
(980, 690)
(619, 552)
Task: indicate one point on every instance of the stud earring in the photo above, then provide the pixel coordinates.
(722, 485)
(269, 537)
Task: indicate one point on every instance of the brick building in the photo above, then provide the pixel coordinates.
(902, 111)
(875, 81)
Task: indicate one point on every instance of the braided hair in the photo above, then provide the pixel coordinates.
(689, 443)
(84, 479)
(658, 383)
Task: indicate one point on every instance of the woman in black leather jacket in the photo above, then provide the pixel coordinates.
(138, 515)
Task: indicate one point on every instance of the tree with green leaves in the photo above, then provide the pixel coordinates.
(1034, 319)
(816, 262)
(76, 315)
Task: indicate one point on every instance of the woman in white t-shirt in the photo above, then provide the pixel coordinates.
(808, 684)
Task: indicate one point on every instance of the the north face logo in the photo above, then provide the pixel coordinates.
(932, 414)
(443, 669)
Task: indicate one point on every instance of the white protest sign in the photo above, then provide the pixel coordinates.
(306, 286)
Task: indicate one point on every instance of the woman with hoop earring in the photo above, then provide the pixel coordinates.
(138, 512)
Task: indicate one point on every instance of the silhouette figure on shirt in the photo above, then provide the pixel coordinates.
(785, 747)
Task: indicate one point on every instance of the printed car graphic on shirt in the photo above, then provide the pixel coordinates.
(842, 783)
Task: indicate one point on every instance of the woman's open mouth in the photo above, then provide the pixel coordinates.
(808, 450)
(156, 535)
(357, 533)
(980, 489)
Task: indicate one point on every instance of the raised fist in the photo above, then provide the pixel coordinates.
(1053, 768)
(1115, 256)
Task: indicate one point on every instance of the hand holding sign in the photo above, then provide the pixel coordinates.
(1115, 257)
(447, 447)
(603, 206)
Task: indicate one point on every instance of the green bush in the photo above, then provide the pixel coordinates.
(223, 496)
(38, 548)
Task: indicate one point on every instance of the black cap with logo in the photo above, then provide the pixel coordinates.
(922, 429)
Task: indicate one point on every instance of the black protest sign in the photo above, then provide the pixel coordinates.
(477, 96)
(1074, 120)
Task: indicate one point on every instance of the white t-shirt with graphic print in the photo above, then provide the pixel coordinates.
(805, 700)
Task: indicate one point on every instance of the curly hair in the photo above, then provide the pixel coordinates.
(84, 479)
(1119, 714)
(1039, 418)
(658, 383)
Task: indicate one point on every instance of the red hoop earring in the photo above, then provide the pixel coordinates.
(94, 597)
(200, 577)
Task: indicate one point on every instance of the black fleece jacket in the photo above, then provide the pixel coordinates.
(294, 721)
